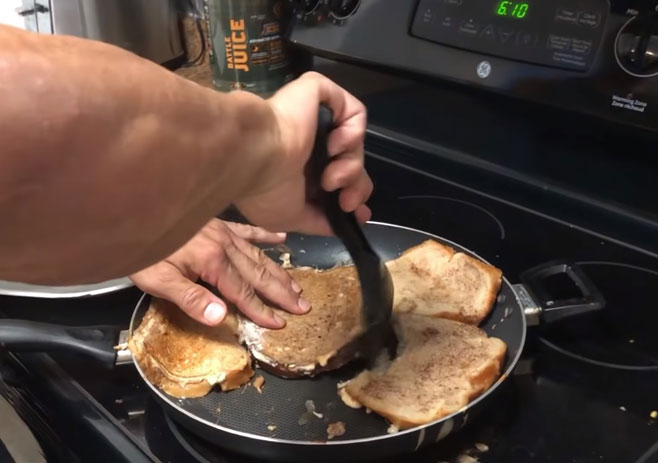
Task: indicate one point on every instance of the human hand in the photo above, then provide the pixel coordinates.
(279, 202)
(221, 254)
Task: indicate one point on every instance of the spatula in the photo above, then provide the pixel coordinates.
(376, 282)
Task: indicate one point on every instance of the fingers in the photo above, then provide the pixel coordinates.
(355, 195)
(238, 290)
(346, 143)
(348, 138)
(255, 234)
(267, 278)
(347, 174)
(165, 280)
(348, 111)
(342, 171)
(363, 213)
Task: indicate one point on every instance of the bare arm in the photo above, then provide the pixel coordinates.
(109, 162)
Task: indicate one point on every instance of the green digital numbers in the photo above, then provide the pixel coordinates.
(512, 9)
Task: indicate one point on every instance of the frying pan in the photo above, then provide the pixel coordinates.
(277, 424)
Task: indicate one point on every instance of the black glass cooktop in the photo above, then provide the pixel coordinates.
(583, 392)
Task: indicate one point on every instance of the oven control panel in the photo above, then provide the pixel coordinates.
(564, 35)
(593, 56)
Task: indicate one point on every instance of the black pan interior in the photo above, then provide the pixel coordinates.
(281, 410)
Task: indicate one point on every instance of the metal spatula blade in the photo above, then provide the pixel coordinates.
(375, 279)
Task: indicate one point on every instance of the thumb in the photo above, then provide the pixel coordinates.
(195, 300)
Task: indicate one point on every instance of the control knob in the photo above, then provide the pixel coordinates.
(341, 9)
(636, 46)
(305, 6)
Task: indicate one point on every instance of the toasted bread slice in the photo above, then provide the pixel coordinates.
(312, 342)
(441, 366)
(185, 358)
(432, 279)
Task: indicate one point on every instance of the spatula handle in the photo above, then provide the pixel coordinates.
(344, 224)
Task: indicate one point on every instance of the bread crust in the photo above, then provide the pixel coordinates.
(432, 279)
(184, 358)
(319, 340)
(442, 366)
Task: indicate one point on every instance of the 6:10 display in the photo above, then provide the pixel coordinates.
(510, 9)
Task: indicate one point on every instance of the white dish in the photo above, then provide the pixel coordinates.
(10, 288)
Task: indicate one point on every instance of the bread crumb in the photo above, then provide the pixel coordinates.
(622, 408)
(122, 346)
(310, 411)
(653, 414)
(310, 406)
(481, 447)
(631, 341)
(347, 399)
(392, 429)
(258, 383)
(285, 260)
(271, 427)
(336, 429)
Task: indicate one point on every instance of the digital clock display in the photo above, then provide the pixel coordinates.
(509, 9)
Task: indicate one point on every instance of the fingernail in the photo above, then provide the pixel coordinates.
(214, 313)
(304, 305)
(295, 287)
(279, 320)
(281, 235)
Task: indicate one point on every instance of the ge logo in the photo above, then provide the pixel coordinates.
(484, 69)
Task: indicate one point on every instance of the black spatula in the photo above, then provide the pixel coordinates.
(376, 282)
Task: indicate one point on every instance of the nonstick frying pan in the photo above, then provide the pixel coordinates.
(277, 424)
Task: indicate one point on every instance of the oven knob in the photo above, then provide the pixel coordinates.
(304, 6)
(342, 9)
(310, 5)
(636, 46)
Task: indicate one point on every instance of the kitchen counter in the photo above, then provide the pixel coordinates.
(199, 72)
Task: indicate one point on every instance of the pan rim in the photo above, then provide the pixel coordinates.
(364, 440)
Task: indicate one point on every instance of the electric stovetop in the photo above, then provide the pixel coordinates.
(584, 390)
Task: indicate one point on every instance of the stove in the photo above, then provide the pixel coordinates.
(519, 181)
(584, 390)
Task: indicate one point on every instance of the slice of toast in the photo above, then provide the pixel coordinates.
(441, 366)
(185, 358)
(312, 342)
(432, 279)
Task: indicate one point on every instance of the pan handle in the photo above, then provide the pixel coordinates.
(542, 306)
(27, 336)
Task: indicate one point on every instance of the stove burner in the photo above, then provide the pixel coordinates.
(623, 334)
(200, 450)
(461, 202)
(463, 222)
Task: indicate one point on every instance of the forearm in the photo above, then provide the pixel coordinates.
(110, 162)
